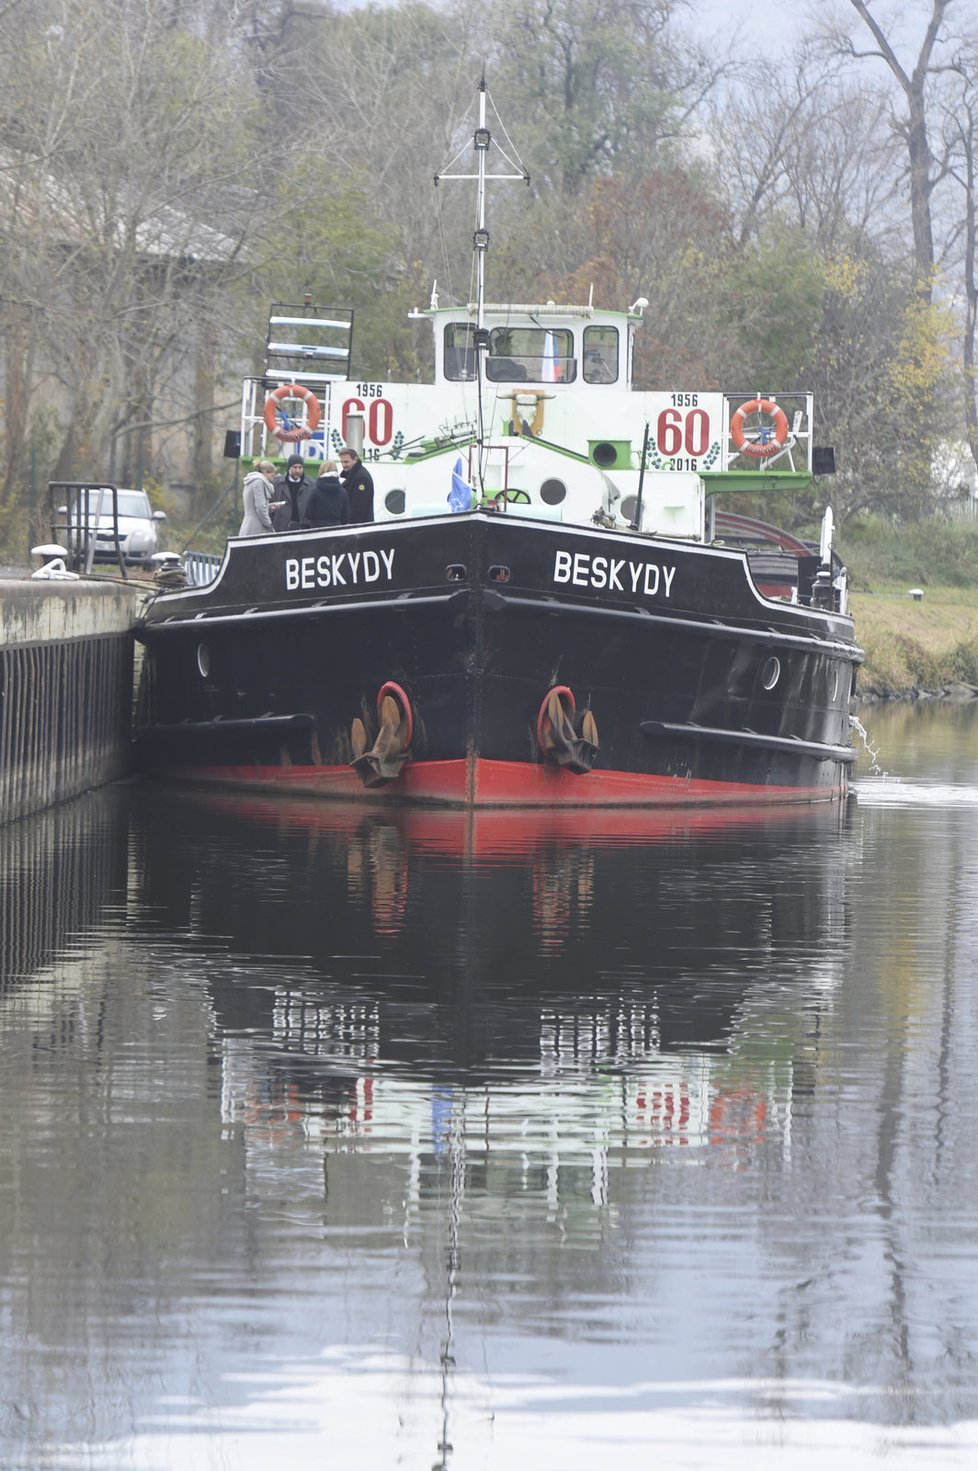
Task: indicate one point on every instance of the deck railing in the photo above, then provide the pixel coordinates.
(200, 567)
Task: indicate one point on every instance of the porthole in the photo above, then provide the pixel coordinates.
(629, 509)
(552, 492)
(395, 501)
(771, 672)
(203, 660)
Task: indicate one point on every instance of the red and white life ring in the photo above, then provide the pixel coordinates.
(772, 439)
(299, 431)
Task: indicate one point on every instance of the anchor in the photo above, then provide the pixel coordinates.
(387, 755)
(569, 742)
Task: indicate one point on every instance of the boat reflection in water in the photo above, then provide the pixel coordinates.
(275, 1074)
(548, 990)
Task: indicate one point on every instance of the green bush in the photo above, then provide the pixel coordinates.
(963, 663)
(928, 553)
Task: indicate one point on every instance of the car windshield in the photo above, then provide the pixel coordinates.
(130, 503)
(133, 503)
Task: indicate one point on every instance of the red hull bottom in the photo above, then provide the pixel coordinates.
(482, 783)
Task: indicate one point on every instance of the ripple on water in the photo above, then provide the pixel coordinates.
(891, 791)
(468, 1419)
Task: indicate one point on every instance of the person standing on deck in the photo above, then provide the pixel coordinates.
(293, 489)
(328, 505)
(257, 494)
(359, 486)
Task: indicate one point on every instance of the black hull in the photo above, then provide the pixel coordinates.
(701, 689)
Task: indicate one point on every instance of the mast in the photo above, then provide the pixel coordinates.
(480, 236)
(482, 140)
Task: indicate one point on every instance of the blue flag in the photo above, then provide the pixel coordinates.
(460, 495)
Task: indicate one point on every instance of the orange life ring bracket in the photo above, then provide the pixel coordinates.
(298, 431)
(772, 439)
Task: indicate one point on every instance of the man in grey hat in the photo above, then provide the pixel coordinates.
(293, 489)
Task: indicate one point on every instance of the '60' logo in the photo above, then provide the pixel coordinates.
(676, 432)
(379, 418)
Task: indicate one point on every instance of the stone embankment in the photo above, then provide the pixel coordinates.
(66, 689)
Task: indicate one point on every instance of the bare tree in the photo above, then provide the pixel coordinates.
(912, 125)
(961, 139)
(127, 160)
(808, 150)
(601, 85)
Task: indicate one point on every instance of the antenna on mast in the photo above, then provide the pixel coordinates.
(482, 141)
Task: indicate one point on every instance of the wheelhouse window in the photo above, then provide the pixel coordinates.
(460, 352)
(531, 355)
(600, 354)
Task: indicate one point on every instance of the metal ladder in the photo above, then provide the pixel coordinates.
(308, 345)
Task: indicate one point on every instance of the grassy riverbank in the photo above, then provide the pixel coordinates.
(914, 647)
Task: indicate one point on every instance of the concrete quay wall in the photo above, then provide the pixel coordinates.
(66, 689)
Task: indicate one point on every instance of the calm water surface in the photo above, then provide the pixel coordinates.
(335, 1138)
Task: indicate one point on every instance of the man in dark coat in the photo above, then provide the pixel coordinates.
(328, 505)
(294, 488)
(359, 486)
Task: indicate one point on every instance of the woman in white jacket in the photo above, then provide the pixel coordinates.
(258, 503)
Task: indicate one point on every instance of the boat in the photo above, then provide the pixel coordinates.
(551, 606)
